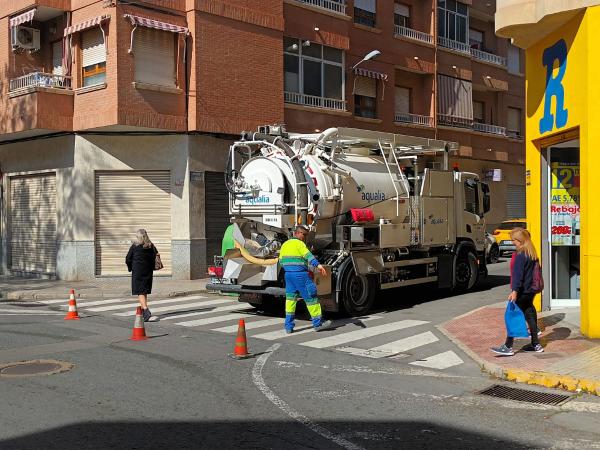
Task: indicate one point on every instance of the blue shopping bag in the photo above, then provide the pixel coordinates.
(515, 321)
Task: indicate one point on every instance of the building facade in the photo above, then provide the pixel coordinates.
(559, 39)
(117, 115)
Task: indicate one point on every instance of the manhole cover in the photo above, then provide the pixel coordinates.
(524, 395)
(32, 368)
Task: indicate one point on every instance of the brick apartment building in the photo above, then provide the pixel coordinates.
(117, 114)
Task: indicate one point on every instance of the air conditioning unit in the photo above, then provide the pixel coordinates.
(25, 38)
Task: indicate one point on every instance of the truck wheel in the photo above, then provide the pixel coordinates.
(358, 292)
(465, 272)
(494, 254)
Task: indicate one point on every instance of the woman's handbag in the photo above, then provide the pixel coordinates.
(157, 262)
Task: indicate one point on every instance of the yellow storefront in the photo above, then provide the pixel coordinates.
(563, 145)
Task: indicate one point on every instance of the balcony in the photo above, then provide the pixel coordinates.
(338, 6)
(454, 121)
(31, 81)
(514, 134)
(414, 119)
(314, 101)
(454, 45)
(413, 34)
(488, 57)
(489, 129)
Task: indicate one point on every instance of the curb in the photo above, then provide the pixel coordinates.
(25, 295)
(545, 379)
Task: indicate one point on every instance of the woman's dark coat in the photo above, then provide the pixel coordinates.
(140, 262)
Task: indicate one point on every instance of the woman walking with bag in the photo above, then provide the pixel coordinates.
(142, 259)
(522, 267)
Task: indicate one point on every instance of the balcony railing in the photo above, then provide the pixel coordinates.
(40, 79)
(454, 121)
(413, 34)
(490, 129)
(338, 6)
(416, 119)
(488, 57)
(454, 45)
(514, 134)
(314, 101)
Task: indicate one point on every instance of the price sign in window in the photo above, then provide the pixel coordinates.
(564, 203)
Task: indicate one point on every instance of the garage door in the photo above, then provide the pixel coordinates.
(217, 213)
(33, 223)
(515, 204)
(126, 201)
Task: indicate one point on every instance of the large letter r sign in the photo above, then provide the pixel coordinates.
(554, 87)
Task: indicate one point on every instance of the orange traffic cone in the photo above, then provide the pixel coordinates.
(139, 332)
(240, 350)
(72, 313)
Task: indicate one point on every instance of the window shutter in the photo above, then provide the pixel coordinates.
(154, 53)
(57, 55)
(366, 5)
(402, 10)
(475, 36)
(514, 119)
(402, 100)
(478, 110)
(92, 47)
(455, 97)
(365, 86)
(514, 64)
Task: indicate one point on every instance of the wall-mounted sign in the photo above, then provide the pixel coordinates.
(493, 175)
(564, 204)
(196, 177)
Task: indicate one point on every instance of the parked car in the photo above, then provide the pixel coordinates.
(492, 250)
(502, 234)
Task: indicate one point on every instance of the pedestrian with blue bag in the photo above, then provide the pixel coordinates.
(525, 283)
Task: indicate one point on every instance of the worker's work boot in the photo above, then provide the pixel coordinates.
(325, 325)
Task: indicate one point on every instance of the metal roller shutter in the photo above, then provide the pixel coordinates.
(154, 52)
(515, 202)
(93, 49)
(125, 202)
(365, 86)
(402, 100)
(33, 223)
(217, 213)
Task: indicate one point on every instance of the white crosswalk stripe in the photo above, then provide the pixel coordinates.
(228, 307)
(133, 303)
(406, 344)
(251, 325)
(440, 361)
(340, 339)
(272, 335)
(185, 307)
(27, 312)
(209, 320)
(86, 303)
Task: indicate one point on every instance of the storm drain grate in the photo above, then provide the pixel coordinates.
(524, 395)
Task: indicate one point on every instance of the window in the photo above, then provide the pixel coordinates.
(402, 101)
(514, 59)
(401, 15)
(57, 56)
(365, 97)
(513, 124)
(471, 196)
(453, 20)
(476, 39)
(313, 69)
(365, 12)
(478, 112)
(93, 57)
(154, 52)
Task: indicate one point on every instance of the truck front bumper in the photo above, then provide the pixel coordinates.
(239, 289)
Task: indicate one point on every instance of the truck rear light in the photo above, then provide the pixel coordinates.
(215, 271)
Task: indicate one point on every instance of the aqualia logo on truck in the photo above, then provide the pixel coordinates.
(370, 196)
(256, 200)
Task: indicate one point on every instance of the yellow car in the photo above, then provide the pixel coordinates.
(502, 234)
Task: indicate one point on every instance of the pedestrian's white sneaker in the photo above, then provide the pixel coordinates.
(153, 319)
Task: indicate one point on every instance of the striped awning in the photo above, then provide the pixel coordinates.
(87, 24)
(156, 24)
(370, 74)
(22, 18)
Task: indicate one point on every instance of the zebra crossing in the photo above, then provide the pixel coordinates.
(373, 336)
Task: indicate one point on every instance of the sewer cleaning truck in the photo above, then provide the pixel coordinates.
(384, 211)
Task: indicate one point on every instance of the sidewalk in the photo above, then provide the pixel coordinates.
(570, 361)
(12, 288)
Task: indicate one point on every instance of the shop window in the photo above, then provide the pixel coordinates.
(93, 57)
(365, 12)
(401, 15)
(453, 20)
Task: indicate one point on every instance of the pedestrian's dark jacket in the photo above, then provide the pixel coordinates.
(140, 262)
(521, 273)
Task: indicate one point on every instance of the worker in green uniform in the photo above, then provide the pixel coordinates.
(295, 258)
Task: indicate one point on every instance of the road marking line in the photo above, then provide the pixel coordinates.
(259, 382)
(183, 306)
(250, 325)
(16, 312)
(209, 320)
(272, 335)
(403, 345)
(339, 339)
(81, 301)
(133, 303)
(234, 307)
(440, 361)
(367, 353)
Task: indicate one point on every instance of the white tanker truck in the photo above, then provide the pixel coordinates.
(383, 209)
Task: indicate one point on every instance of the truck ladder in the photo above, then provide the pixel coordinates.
(390, 160)
(297, 208)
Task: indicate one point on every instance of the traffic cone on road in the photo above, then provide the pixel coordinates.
(139, 332)
(72, 313)
(240, 350)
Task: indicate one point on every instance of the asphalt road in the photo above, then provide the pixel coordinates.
(179, 389)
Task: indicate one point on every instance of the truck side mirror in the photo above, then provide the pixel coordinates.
(485, 189)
